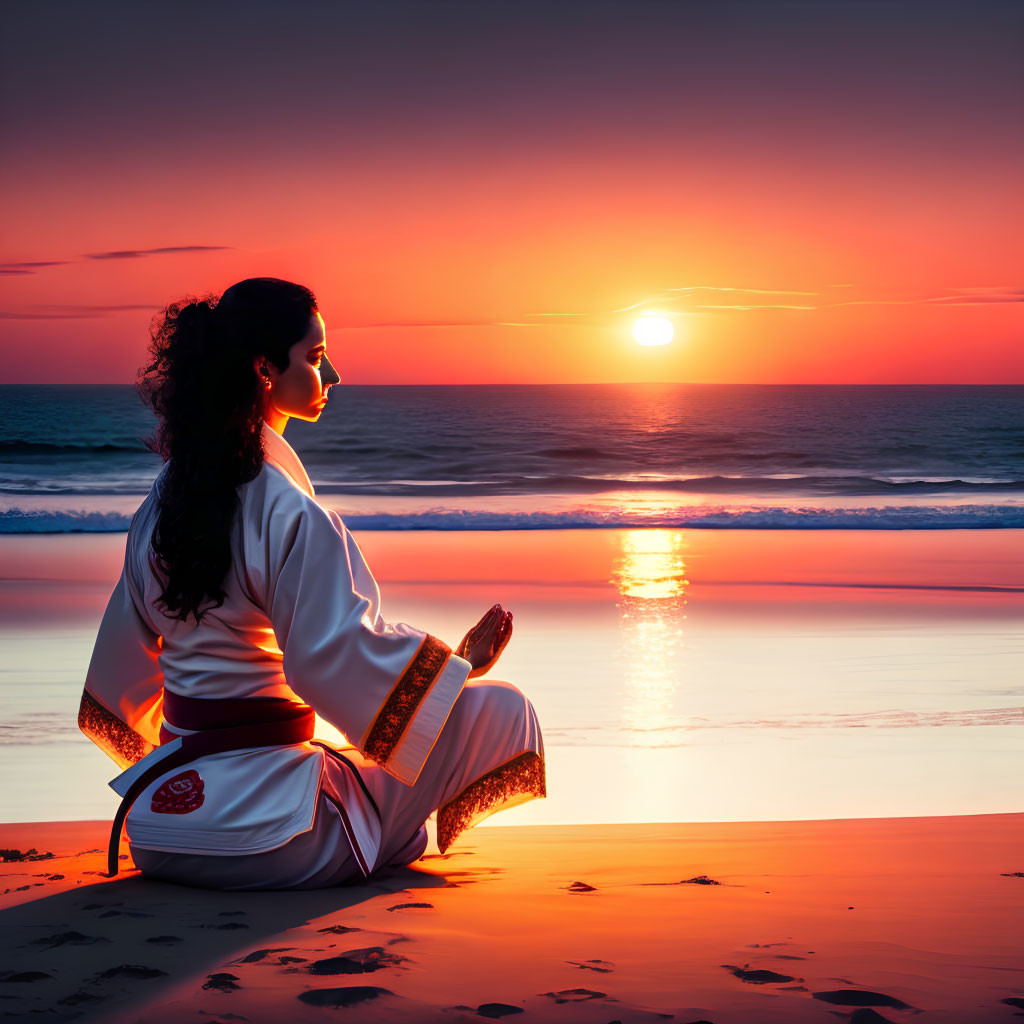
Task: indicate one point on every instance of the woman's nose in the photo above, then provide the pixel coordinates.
(328, 374)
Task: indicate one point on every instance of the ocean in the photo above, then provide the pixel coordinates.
(495, 457)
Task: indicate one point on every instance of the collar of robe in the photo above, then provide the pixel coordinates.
(279, 453)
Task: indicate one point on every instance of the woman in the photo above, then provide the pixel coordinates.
(244, 607)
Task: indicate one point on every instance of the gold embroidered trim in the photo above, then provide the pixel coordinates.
(514, 782)
(404, 700)
(113, 735)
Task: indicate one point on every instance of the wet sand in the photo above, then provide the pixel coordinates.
(850, 673)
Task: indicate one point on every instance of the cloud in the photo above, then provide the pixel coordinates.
(980, 296)
(134, 254)
(73, 312)
(686, 301)
(31, 266)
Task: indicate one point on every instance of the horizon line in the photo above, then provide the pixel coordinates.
(596, 383)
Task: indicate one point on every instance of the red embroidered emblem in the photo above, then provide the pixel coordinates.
(180, 795)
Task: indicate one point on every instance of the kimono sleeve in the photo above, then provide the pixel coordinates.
(389, 687)
(122, 703)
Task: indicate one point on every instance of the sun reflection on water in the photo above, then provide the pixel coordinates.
(650, 574)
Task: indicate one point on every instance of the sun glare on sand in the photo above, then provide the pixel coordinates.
(653, 330)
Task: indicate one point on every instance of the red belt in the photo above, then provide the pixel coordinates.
(227, 724)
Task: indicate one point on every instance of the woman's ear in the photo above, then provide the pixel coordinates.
(262, 367)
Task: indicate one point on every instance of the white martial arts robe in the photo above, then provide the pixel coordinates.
(301, 621)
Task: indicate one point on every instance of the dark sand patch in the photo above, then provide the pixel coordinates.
(357, 961)
(758, 977)
(696, 880)
(131, 971)
(601, 966)
(260, 954)
(342, 996)
(575, 995)
(79, 998)
(860, 997)
(221, 982)
(71, 938)
(496, 1010)
(580, 887)
(12, 856)
(867, 1016)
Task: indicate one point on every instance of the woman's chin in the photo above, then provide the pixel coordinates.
(313, 414)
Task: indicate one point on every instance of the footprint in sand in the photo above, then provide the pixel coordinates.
(759, 977)
(601, 966)
(860, 997)
(221, 983)
(130, 971)
(575, 995)
(357, 961)
(696, 880)
(261, 954)
(68, 939)
(342, 996)
(496, 1010)
(868, 1017)
(78, 998)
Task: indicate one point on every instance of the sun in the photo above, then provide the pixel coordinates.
(653, 330)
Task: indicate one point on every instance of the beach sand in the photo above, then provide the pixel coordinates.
(732, 923)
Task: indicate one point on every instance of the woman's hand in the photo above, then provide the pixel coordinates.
(486, 640)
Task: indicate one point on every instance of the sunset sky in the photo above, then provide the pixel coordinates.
(478, 192)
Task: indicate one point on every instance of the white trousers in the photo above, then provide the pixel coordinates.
(489, 755)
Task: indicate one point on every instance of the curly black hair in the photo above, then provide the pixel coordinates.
(207, 396)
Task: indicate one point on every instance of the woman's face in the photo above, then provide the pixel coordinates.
(301, 389)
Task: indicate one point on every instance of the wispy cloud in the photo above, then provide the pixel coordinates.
(134, 254)
(705, 300)
(711, 300)
(73, 312)
(31, 266)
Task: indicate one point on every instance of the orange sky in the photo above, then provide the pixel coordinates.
(811, 198)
